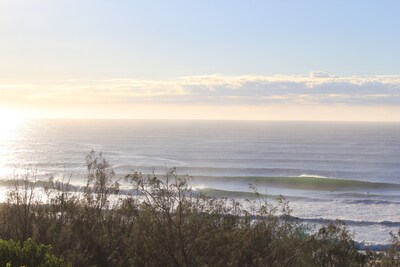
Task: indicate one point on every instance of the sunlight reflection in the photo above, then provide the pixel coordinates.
(10, 130)
(9, 124)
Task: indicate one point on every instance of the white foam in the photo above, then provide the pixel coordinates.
(312, 176)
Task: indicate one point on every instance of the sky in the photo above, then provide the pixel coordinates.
(247, 60)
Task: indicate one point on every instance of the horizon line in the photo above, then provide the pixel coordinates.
(199, 119)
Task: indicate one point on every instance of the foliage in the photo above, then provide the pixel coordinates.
(161, 221)
(30, 253)
(392, 257)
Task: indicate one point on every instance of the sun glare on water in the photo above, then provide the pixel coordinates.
(9, 124)
(10, 129)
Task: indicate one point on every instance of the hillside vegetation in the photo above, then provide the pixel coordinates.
(160, 221)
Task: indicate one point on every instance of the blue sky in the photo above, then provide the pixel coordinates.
(46, 44)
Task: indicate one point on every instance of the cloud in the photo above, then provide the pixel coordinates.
(320, 74)
(316, 88)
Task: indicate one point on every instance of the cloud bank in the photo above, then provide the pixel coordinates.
(316, 88)
(253, 91)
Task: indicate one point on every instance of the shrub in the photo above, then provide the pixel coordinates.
(30, 253)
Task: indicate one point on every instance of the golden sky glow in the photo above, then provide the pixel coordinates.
(215, 112)
(317, 96)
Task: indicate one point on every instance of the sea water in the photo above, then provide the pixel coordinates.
(327, 170)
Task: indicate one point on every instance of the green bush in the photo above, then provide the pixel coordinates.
(30, 253)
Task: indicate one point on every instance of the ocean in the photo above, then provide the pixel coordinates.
(327, 170)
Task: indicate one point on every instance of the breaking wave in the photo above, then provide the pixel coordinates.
(304, 183)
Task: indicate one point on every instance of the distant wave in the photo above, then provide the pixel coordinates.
(370, 201)
(232, 194)
(11, 183)
(303, 183)
(311, 175)
(229, 169)
(347, 222)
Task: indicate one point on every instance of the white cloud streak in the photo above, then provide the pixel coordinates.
(316, 88)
